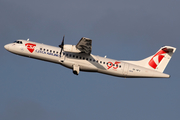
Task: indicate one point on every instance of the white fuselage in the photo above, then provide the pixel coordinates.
(81, 61)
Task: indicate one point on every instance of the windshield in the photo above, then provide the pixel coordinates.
(19, 42)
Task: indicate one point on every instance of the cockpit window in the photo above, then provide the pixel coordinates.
(19, 42)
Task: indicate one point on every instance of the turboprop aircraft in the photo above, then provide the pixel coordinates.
(79, 58)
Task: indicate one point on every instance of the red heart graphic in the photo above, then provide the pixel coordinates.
(30, 47)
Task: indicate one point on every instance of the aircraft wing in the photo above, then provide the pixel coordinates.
(85, 45)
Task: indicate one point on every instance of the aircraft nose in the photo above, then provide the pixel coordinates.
(6, 47)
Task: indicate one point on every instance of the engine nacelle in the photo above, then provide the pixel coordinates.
(71, 48)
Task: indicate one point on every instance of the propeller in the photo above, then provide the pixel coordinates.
(62, 45)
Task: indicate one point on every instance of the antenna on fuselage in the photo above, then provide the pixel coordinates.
(28, 39)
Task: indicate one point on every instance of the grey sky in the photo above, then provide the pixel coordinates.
(125, 29)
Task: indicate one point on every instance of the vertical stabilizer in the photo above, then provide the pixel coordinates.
(160, 60)
(157, 61)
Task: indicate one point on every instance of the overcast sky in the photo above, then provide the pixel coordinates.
(121, 29)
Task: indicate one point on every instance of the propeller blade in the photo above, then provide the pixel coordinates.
(62, 45)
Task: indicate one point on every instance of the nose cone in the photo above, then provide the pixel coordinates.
(6, 47)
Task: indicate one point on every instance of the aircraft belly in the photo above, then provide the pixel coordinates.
(83, 65)
(117, 73)
(137, 71)
(86, 66)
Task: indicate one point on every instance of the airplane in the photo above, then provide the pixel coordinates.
(79, 58)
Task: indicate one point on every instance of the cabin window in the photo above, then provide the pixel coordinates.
(90, 59)
(53, 51)
(83, 58)
(97, 61)
(73, 56)
(57, 52)
(40, 48)
(119, 66)
(93, 60)
(50, 50)
(47, 50)
(103, 62)
(44, 49)
(86, 58)
(100, 61)
(63, 53)
(70, 55)
(76, 56)
(66, 54)
(80, 57)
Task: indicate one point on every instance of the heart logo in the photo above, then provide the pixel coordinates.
(30, 47)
